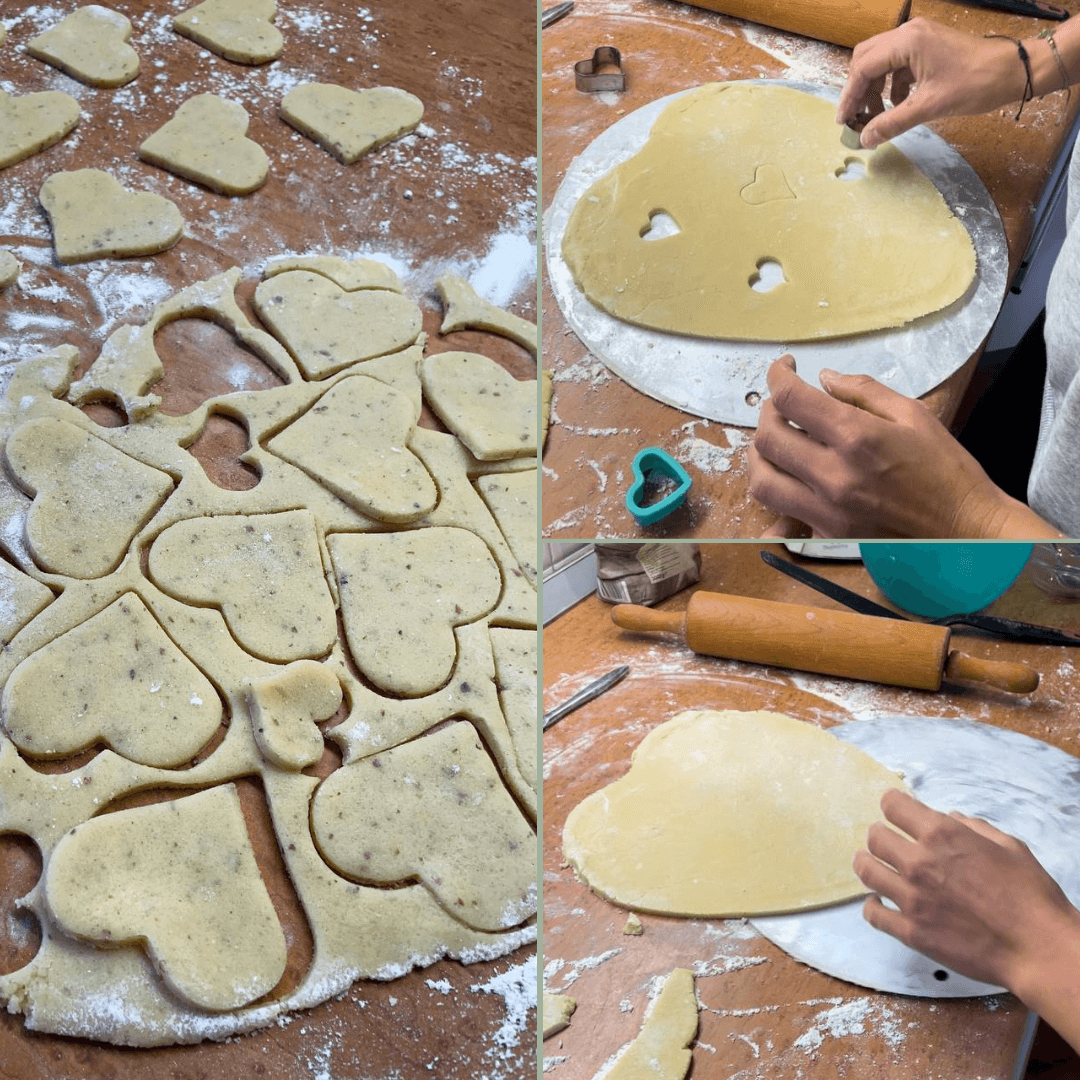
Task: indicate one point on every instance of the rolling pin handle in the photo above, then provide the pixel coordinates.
(1015, 678)
(636, 617)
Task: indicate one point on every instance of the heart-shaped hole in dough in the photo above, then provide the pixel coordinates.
(661, 224)
(853, 169)
(768, 276)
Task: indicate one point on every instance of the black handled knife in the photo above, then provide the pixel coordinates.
(1037, 9)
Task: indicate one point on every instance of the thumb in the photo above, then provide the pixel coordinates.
(862, 391)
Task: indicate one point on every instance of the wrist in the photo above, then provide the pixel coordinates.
(1047, 70)
(1048, 980)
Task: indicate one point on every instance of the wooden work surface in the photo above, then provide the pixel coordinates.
(458, 196)
(600, 421)
(765, 1015)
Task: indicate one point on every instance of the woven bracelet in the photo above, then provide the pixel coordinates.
(1029, 90)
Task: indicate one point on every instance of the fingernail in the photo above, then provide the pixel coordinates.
(827, 375)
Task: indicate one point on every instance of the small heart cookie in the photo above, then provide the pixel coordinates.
(93, 216)
(33, 122)
(205, 142)
(349, 123)
(489, 410)
(90, 45)
(326, 328)
(284, 708)
(239, 30)
(179, 879)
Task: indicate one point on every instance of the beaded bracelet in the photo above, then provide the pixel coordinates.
(1029, 91)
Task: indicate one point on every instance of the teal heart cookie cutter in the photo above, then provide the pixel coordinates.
(648, 464)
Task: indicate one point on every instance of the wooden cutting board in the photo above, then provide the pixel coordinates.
(419, 202)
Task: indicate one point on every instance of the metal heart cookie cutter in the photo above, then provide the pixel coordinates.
(654, 466)
(589, 77)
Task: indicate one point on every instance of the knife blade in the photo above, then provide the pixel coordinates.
(990, 624)
(593, 690)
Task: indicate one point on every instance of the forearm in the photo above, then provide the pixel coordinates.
(1046, 74)
(1052, 988)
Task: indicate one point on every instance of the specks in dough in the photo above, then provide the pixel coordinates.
(239, 30)
(91, 45)
(33, 122)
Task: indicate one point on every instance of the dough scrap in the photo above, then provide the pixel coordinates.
(633, 926)
(511, 498)
(489, 410)
(263, 571)
(116, 678)
(21, 598)
(729, 814)
(34, 122)
(516, 671)
(661, 1050)
(205, 142)
(348, 123)
(354, 440)
(558, 1008)
(239, 30)
(434, 809)
(752, 174)
(9, 268)
(284, 709)
(348, 274)
(89, 498)
(466, 308)
(402, 594)
(91, 45)
(326, 328)
(93, 216)
(183, 878)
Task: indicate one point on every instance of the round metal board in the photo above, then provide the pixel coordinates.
(725, 380)
(1023, 786)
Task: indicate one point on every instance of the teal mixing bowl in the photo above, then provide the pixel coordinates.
(941, 579)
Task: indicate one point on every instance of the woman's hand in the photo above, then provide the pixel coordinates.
(936, 71)
(861, 460)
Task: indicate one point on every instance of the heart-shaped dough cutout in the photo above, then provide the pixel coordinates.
(180, 879)
(769, 185)
(116, 678)
(205, 142)
(857, 256)
(93, 216)
(239, 30)
(327, 329)
(9, 268)
(33, 122)
(489, 410)
(434, 809)
(284, 708)
(264, 573)
(403, 593)
(511, 498)
(354, 441)
(90, 499)
(349, 123)
(729, 814)
(91, 45)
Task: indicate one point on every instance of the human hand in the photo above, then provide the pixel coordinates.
(866, 461)
(936, 71)
(970, 896)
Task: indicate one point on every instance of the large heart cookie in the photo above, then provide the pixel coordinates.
(116, 678)
(91, 45)
(489, 410)
(264, 573)
(90, 499)
(179, 879)
(403, 593)
(239, 30)
(205, 142)
(33, 122)
(94, 216)
(326, 328)
(354, 441)
(433, 809)
(348, 123)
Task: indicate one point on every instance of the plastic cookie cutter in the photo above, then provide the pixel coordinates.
(653, 467)
(589, 77)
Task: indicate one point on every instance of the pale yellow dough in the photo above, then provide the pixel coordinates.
(730, 814)
(349, 123)
(558, 1008)
(750, 174)
(511, 498)
(239, 30)
(33, 122)
(661, 1050)
(90, 45)
(93, 216)
(205, 142)
(9, 268)
(465, 308)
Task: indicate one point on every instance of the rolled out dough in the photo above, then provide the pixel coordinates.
(729, 814)
(755, 178)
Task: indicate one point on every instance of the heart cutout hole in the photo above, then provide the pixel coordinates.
(769, 275)
(661, 225)
(218, 449)
(853, 169)
(20, 931)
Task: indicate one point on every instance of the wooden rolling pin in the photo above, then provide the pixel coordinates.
(827, 642)
(838, 21)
